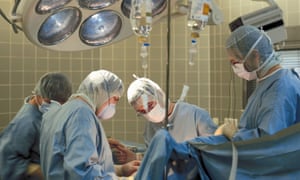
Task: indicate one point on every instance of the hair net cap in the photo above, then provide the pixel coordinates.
(241, 41)
(99, 86)
(54, 86)
(145, 86)
(243, 38)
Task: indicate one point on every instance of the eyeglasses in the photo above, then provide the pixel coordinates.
(142, 111)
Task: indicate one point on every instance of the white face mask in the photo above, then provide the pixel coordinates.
(241, 72)
(239, 68)
(156, 115)
(108, 112)
(44, 107)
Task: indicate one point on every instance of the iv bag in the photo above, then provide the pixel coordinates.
(141, 17)
(198, 14)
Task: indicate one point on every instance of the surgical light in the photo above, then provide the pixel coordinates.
(100, 28)
(74, 25)
(59, 26)
(95, 4)
(46, 6)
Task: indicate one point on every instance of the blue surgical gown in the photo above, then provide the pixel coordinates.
(19, 143)
(187, 122)
(273, 106)
(272, 114)
(73, 144)
(273, 157)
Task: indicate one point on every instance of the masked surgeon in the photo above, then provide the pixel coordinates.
(275, 103)
(73, 142)
(186, 121)
(19, 142)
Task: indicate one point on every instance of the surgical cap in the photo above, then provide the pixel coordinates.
(101, 85)
(145, 86)
(54, 86)
(242, 40)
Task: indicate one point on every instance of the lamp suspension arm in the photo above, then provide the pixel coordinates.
(15, 7)
(14, 26)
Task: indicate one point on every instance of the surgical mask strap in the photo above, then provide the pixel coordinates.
(253, 46)
(267, 60)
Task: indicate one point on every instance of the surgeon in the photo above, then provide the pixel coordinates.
(275, 103)
(19, 142)
(186, 121)
(273, 106)
(73, 142)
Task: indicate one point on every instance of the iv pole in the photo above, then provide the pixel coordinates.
(166, 125)
(168, 64)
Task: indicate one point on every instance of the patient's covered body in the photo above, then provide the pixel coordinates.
(268, 157)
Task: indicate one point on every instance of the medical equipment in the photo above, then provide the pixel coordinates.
(199, 14)
(141, 18)
(269, 19)
(74, 25)
(144, 55)
(141, 22)
(193, 52)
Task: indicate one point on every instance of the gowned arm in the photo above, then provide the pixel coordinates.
(205, 124)
(275, 114)
(81, 157)
(16, 150)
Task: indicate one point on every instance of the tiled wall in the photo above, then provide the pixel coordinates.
(22, 63)
(210, 79)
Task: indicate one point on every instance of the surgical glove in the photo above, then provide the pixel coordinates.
(120, 153)
(34, 171)
(219, 131)
(228, 129)
(127, 169)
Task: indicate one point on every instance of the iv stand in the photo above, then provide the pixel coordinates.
(168, 64)
(168, 74)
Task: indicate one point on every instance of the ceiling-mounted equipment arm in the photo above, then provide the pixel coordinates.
(270, 2)
(269, 19)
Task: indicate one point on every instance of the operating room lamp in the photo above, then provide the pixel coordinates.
(73, 25)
